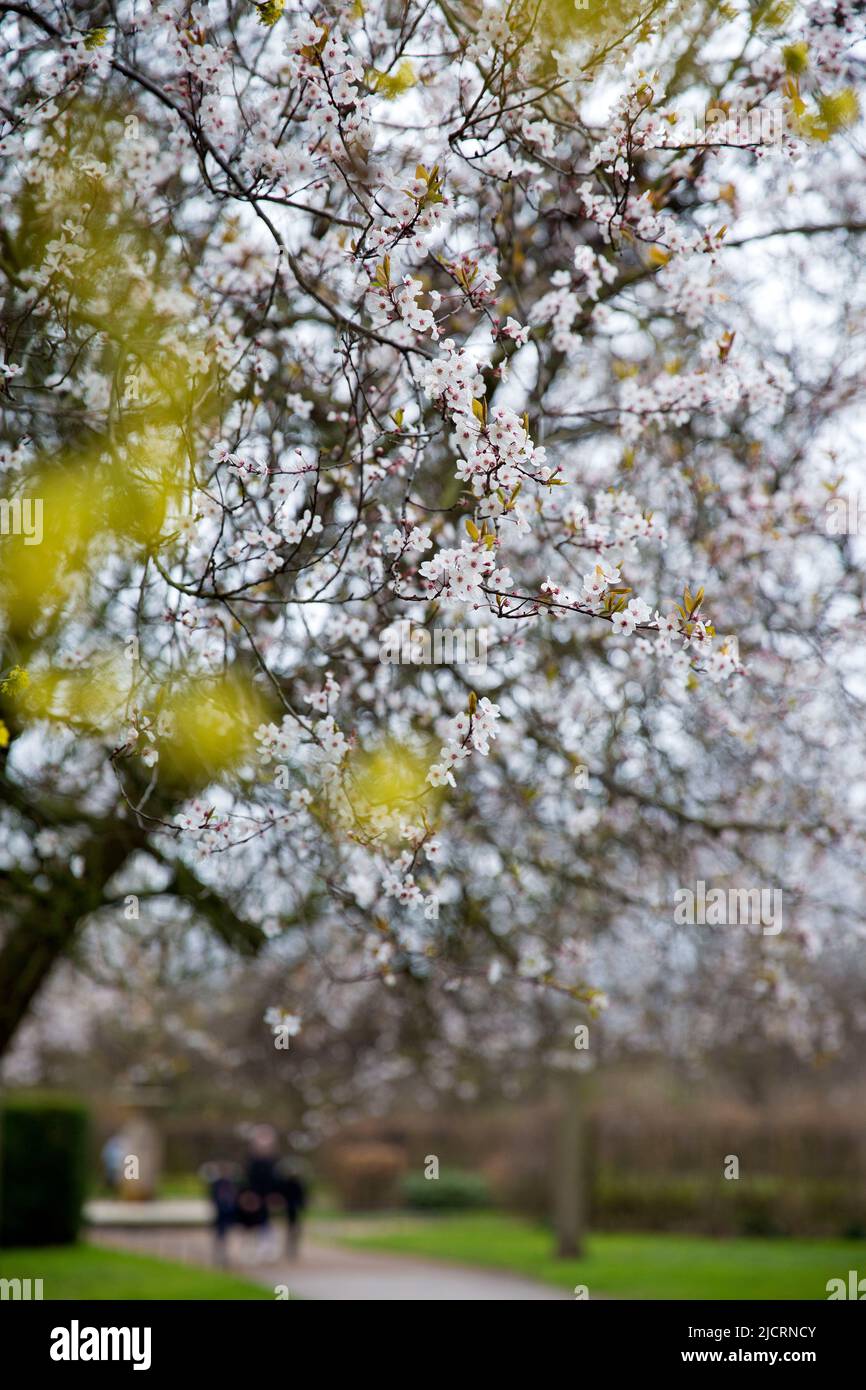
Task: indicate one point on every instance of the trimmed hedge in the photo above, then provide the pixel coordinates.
(756, 1206)
(453, 1190)
(43, 1170)
(365, 1175)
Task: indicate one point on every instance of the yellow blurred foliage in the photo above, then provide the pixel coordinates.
(204, 725)
(92, 505)
(562, 22)
(392, 84)
(118, 286)
(391, 779)
(210, 723)
(90, 699)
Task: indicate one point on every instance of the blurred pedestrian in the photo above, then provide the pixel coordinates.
(294, 1195)
(261, 1188)
(223, 1188)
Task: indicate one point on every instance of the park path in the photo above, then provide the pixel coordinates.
(330, 1272)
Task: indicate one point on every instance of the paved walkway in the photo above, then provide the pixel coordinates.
(166, 1211)
(325, 1272)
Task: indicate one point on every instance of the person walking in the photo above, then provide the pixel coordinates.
(294, 1195)
(262, 1187)
(222, 1185)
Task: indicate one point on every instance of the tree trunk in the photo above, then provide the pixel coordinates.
(46, 923)
(571, 1165)
(44, 931)
(29, 952)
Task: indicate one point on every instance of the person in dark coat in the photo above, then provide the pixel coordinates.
(294, 1195)
(262, 1188)
(222, 1185)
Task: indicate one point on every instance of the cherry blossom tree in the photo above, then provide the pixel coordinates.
(533, 319)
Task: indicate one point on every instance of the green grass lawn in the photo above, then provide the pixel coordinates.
(85, 1271)
(182, 1185)
(621, 1266)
